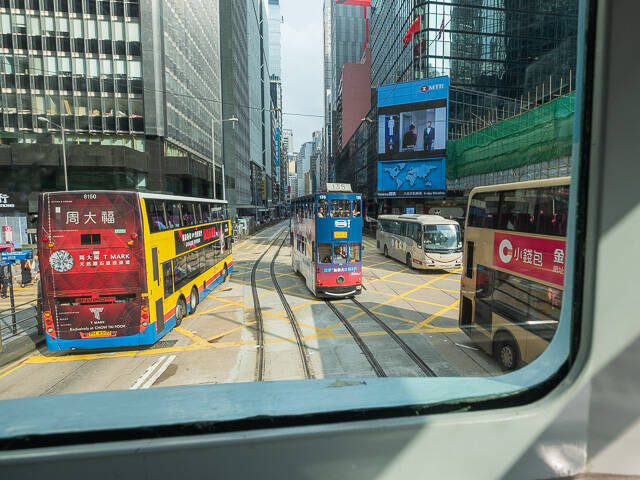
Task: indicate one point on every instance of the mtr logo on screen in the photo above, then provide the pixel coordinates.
(437, 86)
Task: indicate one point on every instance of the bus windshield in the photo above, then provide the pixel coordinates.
(442, 237)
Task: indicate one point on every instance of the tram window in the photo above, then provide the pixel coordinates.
(324, 252)
(354, 252)
(340, 208)
(356, 208)
(340, 253)
(323, 208)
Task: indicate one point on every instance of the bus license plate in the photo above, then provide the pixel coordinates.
(339, 234)
(100, 333)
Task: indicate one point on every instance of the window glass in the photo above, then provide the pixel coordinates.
(323, 208)
(442, 237)
(340, 208)
(173, 214)
(324, 252)
(354, 252)
(180, 277)
(193, 264)
(167, 278)
(155, 214)
(198, 213)
(540, 210)
(340, 251)
(356, 208)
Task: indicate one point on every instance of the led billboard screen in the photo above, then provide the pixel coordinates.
(412, 133)
(415, 178)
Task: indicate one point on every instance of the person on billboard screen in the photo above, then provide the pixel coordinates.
(410, 138)
(429, 136)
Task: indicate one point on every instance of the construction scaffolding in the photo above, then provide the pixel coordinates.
(542, 134)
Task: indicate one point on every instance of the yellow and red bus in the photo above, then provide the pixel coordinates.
(123, 268)
(513, 273)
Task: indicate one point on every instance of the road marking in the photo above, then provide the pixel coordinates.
(13, 367)
(147, 373)
(431, 318)
(195, 338)
(401, 296)
(160, 370)
(389, 275)
(228, 332)
(466, 346)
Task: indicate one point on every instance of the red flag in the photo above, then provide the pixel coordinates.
(441, 29)
(414, 28)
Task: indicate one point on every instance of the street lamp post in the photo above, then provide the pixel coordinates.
(213, 156)
(64, 151)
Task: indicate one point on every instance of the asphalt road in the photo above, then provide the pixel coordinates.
(220, 342)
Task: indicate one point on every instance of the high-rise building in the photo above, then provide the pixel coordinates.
(275, 21)
(234, 64)
(303, 166)
(247, 96)
(135, 93)
(494, 51)
(345, 34)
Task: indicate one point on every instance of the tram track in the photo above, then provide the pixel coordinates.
(295, 326)
(358, 339)
(396, 338)
(258, 312)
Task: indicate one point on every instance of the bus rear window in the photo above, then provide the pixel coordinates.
(90, 239)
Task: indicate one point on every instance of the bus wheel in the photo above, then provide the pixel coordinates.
(409, 264)
(506, 353)
(181, 311)
(194, 300)
(386, 251)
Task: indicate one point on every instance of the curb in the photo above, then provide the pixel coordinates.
(20, 347)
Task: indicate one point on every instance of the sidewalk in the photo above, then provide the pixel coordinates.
(25, 338)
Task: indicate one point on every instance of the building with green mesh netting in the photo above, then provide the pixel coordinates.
(542, 136)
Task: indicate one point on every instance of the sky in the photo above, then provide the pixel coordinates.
(302, 67)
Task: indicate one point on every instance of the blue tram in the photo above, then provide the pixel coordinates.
(326, 241)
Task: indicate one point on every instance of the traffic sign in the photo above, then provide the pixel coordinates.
(16, 255)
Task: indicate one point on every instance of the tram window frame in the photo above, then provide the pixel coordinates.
(325, 249)
(356, 208)
(357, 247)
(324, 204)
(344, 259)
(334, 201)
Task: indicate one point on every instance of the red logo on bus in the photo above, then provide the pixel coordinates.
(424, 88)
(541, 258)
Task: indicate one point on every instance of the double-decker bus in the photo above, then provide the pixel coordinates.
(326, 241)
(420, 241)
(513, 274)
(123, 268)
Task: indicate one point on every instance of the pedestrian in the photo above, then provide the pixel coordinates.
(5, 278)
(35, 268)
(25, 273)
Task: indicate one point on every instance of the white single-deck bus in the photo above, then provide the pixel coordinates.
(420, 241)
